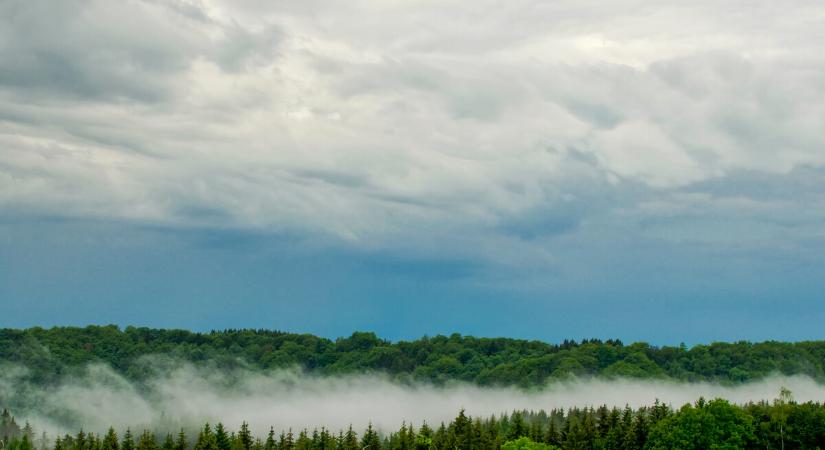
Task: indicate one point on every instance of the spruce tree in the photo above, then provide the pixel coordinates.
(147, 441)
(371, 440)
(128, 442)
(350, 439)
(181, 443)
(206, 439)
(270, 440)
(517, 426)
(110, 440)
(168, 442)
(245, 437)
(221, 438)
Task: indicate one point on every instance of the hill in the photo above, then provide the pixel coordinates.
(50, 353)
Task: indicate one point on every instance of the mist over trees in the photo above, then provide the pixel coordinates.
(49, 353)
(714, 424)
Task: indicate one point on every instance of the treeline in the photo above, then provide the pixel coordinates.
(715, 424)
(49, 353)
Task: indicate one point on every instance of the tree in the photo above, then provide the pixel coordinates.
(221, 437)
(370, 441)
(707, 425)
(245, 437)
(206, 440)
(110, 440)
(128, 443)
(270, 440)
(147, 441)
(781, 406)
(525, 443)
(182, 444)
(168, 442)
(517, 426)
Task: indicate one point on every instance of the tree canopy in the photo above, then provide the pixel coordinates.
(715, 424)
(49, 353)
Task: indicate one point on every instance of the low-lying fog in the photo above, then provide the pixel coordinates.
(183, 396)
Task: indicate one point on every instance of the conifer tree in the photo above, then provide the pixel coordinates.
(424, 437)
(25, 443)
(637, 434)
(28, 431)
(221, 438)
(110, 440)
(128, 442)
(270, 440)
(245, 437)
(551, 435)
(207, 440)
(350, 441)
(517, 426)
(536, 433)
(80, 441)
(168, 442)
(147, 441)
(303, 442)
(371, 440)
(182, 444)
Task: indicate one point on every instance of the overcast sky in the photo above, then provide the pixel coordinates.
(636, 169)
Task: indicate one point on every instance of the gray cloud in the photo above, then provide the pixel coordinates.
(402, 126)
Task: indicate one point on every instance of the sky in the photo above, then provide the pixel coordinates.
(642, 170)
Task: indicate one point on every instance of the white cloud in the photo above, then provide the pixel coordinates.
(372, 121)
(187, 396)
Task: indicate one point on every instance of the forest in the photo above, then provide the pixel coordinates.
(714, 424)
(50, 353)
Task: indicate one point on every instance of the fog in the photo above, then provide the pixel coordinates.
(185, 396)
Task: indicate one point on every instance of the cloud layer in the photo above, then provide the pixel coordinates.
(187, 397)
(559, 150)
(369, 120)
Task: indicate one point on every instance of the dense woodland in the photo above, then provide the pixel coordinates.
(714, 424)
(50, 353)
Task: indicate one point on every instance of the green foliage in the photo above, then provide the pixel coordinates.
(525, 443)
(51, 353)
(707, 425)
(715, 424)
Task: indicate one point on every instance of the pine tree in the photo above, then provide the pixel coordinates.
(24, 443)
(147, 441)
(551, 435)
(221, 438)
(350, 441)
(517, 426)
(110, 440)
(245, 437)
(636, 436)
(270, 440)
(181, 443)
(303, 442)
(128, 443)
(536, 432)
(206, 439)
(28, 431)
(289, 442)
(168, 442)
(371, 440)
(80, 441)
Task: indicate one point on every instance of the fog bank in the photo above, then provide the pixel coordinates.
(185, 396)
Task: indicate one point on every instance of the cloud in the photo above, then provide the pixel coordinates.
(182, 395)
(398, 127)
